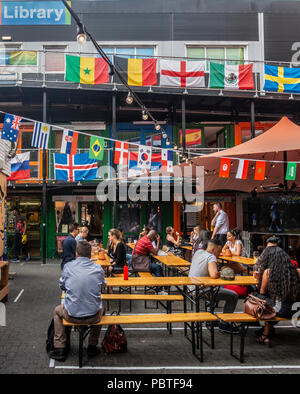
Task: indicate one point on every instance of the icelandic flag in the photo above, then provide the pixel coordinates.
(69, 142)
(20, 167)
(40, 135)
(11, 127)
(74, 168)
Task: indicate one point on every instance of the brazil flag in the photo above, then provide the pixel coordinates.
(96, 148)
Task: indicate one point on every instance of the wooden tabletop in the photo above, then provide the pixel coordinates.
(238, 280)
(173, 261)
(238, 259)
(153, 281)
(187, 247)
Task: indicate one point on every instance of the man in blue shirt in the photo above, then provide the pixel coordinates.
(69, 245)
(82, 281)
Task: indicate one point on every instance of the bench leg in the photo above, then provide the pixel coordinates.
(81, 340)
(242, 335)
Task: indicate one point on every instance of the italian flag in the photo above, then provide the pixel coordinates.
(86, 70)
(223, 76)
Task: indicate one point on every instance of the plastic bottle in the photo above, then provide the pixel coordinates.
(125, 272)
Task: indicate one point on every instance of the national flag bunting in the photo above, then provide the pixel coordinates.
(227, 76)
(69, 142)
(96, 148)
(291, 171)
(166, 160)
(224, 168)
(20, 167)
(86, 70)
(144, 157)
(40, 137)
(142, 72)
(121, 153)
(192, 137)
(260, 170)
(282, 79)
(11, 127)
(74, 168)
(182, 74)
(242, 170)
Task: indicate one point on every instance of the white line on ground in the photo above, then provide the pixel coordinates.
(19, 295)
(52, 363)
(188, 368)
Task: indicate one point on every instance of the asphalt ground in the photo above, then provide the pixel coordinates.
(34, 292)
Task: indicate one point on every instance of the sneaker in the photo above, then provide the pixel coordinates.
(15, 261)
(28, 257)
(226, 328)
(93, 351)
(58, 354)
(162, 293)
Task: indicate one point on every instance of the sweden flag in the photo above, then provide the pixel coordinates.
(282, 79)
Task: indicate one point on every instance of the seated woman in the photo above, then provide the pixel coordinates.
(236, 247)
(116, 251)
(202, 241)
(195, 234)
(171, 243)
(279, 280)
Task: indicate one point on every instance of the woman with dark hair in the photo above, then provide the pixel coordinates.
(202, 241)
(279, 281)
(116, 251)
(173, 244)
(235, 244)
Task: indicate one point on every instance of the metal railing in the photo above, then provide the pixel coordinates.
(42, 75)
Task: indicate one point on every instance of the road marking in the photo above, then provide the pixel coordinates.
(21, 292)
(52, 363)
(234, 367)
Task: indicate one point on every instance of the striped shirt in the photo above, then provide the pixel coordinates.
(143, 246)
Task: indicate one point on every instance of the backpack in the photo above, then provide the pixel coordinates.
(114, 340)
(50, 337)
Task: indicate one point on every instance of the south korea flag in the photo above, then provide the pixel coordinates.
(144, 157)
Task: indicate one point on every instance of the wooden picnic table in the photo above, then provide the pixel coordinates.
(187, 247)
(248, 261)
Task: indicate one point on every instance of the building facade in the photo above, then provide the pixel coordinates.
(229, 32)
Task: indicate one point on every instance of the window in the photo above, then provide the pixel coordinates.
(233, 55)
(55, 58)
(130, 52)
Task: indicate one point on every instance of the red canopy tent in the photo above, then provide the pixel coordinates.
(279, 143)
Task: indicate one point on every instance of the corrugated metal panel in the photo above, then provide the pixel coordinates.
(5, 147)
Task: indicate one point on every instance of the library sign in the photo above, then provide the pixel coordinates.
(34, 13)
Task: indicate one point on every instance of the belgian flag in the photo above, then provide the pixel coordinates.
(137, 72)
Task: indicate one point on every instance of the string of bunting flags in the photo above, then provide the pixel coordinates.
(72, 166)
(260, 168)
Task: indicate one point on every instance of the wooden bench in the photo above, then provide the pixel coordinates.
(243, 320)
(189, 318)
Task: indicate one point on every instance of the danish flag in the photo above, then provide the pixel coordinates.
(121, 153)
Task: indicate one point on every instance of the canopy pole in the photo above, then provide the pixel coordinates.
(44, 184)
(252, 119)
(114, 136)
(183, 129)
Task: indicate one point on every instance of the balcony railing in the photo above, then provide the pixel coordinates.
(47, 68)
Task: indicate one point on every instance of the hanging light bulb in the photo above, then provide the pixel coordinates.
(129, 98)
(81, 36)
(157, 126)
(168, 142)
(175, 147)
(164, 135)
(144, 115)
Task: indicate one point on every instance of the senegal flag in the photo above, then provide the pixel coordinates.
(87, 70)
(96, 148)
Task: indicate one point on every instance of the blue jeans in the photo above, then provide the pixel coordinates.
(156, 270)
(128, 258)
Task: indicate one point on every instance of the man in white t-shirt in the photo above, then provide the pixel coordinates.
(204, 263)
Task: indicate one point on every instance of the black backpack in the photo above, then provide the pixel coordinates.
(50, 337)
(114, 340)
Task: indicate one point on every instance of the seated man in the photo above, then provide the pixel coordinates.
(81, 281)
(144, 246)
(69, 245)
(204, 263)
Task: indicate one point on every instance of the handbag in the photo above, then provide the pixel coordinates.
(140, 263)
(114, 340)
(259, 308)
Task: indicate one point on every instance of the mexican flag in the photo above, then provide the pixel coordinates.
(224, 76)
(86, 70)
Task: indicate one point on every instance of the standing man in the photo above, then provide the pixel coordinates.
(19, 231)
(82, 282)
(220, 223)
(70, 244)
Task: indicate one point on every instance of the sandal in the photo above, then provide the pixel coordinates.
(264, 340)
